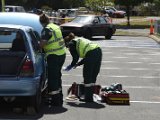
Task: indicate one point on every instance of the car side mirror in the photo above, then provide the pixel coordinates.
(95, 21)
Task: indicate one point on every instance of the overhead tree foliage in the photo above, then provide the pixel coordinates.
(128, 4)
(73, 3)
(157, 5)
(97, 5)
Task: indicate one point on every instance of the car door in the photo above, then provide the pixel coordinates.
(104, 25)
(40, 63)
(96, 27)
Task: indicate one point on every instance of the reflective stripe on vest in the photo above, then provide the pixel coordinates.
(89, 85)
(55, 92)
(83, 46)
(55, 44)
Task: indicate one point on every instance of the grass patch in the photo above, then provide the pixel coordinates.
(158, 36)
(135, 23)
(129, 33)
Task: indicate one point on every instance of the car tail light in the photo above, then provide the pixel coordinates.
(27, 69)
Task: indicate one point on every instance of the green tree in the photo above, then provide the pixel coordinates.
(73, 3)
(130, 4)
(157, 5)
(98, 5)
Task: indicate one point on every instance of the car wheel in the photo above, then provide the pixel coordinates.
(115, 16)
(88, 34)
(109, 34)
(34, 103)
(123, 15)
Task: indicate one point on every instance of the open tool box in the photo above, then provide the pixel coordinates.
(115, 95)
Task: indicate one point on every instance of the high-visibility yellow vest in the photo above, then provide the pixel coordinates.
(55, 44)
(83, 46)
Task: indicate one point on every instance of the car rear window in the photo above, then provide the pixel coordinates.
(6, 38)
(82, 19)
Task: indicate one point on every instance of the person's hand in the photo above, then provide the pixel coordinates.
(68, 68)
(74, 67)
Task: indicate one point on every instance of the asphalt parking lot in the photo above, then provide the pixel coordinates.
(129, 60)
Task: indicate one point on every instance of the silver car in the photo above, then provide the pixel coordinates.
(27, 19)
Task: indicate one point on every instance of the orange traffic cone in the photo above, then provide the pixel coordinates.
(151, 27)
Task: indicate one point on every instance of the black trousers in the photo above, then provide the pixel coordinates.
(91, 69)
(55, 63)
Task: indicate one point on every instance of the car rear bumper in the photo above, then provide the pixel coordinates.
(19, 87)
(76, 32)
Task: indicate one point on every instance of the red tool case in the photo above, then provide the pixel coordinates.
(116, 97)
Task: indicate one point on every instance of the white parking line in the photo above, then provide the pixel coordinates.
(116, 76)
(147, 102)
(110, 68)
(130, 87)
(119, 57)
(134, 101)
(155, 63)
(134, 62)
(140, 69)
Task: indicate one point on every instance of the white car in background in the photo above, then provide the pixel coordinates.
(11, 8)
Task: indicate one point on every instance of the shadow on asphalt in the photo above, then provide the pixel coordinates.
(7, 112)
(99, 39)
(93, 105)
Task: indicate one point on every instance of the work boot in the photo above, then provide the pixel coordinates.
(57, 100)
(88, 94)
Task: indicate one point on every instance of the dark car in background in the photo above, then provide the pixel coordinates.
(113, 12)
(88, 26)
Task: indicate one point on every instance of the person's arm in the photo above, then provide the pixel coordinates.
(46, 35)
(73, 51)
(75, 57)
(13, 48)
(81, 62)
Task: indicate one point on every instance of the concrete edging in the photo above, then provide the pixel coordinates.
(155, 38)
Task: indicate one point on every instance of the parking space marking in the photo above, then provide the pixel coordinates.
(155, 63)
(117, 76)
(134, 62)
(147, 102)
(140, 69)
(105, 61)
(130, 87)
(108, 68)
(119, 57)
(131, 62)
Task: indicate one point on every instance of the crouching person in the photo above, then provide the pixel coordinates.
(91, 55)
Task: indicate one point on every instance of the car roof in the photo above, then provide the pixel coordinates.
(89, 15)
(12, 6)
(26, 19)
(86, 15)
(14, 26)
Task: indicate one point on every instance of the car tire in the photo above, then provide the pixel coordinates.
(109, 34)
(115, 16)
(88, 34)
(35, 103)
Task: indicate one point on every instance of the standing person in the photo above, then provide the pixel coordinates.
(54, 47)
(18, 43)
(91, 55)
